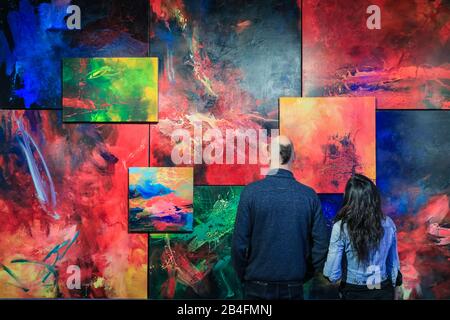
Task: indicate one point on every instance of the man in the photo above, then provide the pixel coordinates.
(280, 235)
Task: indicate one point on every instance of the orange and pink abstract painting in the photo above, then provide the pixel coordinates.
(333, 139)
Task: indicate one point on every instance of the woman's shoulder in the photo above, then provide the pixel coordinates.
(339, 231)
(339, 226)
(389, 223)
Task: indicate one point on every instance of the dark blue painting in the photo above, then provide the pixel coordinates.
(413, 174)
(34, 36)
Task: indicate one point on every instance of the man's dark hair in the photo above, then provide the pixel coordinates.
(285, 153)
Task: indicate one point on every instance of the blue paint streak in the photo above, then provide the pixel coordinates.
(45, 190)
(149, 190)
(135, 211)
(51, 267)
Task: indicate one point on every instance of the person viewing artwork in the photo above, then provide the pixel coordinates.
(362, 255)
(280, 237)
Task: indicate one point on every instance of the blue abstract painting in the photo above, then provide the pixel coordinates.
(413, 175)
(34, 37)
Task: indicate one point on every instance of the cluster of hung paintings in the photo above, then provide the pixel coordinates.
(86, 120)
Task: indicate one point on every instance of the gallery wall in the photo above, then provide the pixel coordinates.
(81, 183)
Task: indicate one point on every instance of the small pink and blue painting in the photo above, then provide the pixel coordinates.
(160, 200)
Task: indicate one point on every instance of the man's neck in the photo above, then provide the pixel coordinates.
(288, 168)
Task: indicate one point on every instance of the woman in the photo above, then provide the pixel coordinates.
(363, 247)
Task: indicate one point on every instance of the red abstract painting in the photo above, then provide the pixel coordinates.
(221, 68)
(333, 139)
(405, 64)
(63, 203)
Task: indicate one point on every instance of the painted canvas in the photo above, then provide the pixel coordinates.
(405, 64)
(160, 199)
(198, 265)
(110, 90)
(334, 138)
(414, 178)
(62, 191)
(215, 74)
(34, 37)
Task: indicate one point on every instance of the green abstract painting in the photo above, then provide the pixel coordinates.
(110, 90)
(198, 265)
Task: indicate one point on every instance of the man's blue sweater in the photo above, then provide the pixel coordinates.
(280, 232)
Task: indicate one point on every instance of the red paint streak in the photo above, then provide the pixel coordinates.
(171, 199)
(444, 33)
(241, 26)
(179, 264)
(78, 103)
(166, 10)
(422, 258)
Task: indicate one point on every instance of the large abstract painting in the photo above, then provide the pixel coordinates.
(110, 90)
(334, 138)
(405, 64)
(160, 199)
(63, 191)
(34, 37)
(414, 177)
(223, 65)
(198, 265)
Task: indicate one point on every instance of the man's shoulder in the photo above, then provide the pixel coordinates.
(297, 186)
(307, 190)
(253, 186)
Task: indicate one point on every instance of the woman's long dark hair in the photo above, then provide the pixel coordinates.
(361, 213)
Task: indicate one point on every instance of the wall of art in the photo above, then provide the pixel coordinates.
(90, 120)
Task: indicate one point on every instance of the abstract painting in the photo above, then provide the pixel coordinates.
(110, 90)
(221, 68)
(414, 178)
(64, 214)
(34, 37)
(198, 265)
(331, 204)
(334, 138)
(160, 199)
(405, 64)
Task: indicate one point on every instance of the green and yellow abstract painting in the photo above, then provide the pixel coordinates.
(110, 90)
